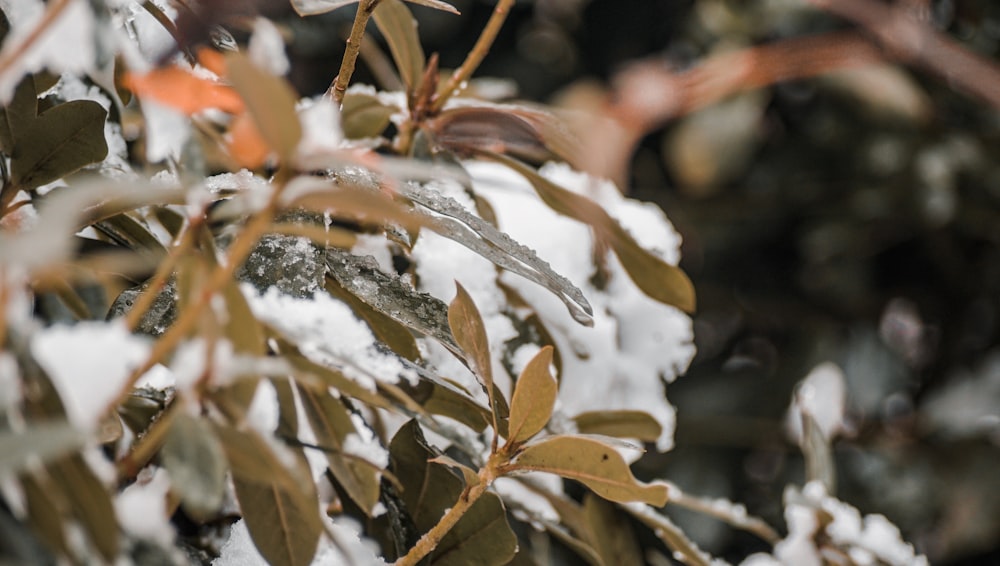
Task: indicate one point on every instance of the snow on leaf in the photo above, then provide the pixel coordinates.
(314, 7)
(480, 236)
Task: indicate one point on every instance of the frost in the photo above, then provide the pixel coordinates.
(66, 44)
(89, 364)
(822, 395)
(348, 548)
(267, 48)
(142, 508)
(327, 331)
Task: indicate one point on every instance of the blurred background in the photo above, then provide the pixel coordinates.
(853, 217)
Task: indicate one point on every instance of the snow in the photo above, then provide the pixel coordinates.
(142, 507)
(167, 130)
(267, 48)
(823, 396)
(88, 364)
(66, 45)
(635, 344)
(349, 548)
(327, 332)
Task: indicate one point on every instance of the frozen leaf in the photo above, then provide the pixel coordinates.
(57, 142)
(483, 238)
(622, 424)
(331, 423)
(534, 398)
(279, 505)
(659, 280)
(196, 463)
(270, 101)
(593, 463)
(399, 29)
(40, 441)
(470, 333)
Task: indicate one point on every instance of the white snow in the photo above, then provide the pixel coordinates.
(88, 364)
(321, 133)
(142, 507)
(823, 396)
(167, 130)
(267, 48)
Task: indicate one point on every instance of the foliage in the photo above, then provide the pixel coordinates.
(306, 322)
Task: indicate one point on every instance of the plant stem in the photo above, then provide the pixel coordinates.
(433, 537)
(476, 56)
(339, 86)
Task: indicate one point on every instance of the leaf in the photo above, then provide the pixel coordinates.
(534, 398)
(58, 142)
(44, 514)
(196, 463)
(592, 463)
(682, 547)
(384, 327)
(470, 333)
(241, 327)
(481, 536)
(399, 29)
(610, 534)
(364, 116)
(437, 5)
(473, 232)
(622, 424)
(314, 7)
(659, 280)
(41, 441)
(279, 505)
(270, 101)
(179, 89)
(89, 503)
(470, 475)
(18, 114)
(331, 423)
(446, 401)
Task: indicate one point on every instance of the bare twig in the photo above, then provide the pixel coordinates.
(339, 86)
(476, 56)
(915, 41)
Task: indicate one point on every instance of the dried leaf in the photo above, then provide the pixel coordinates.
(196, 463)
(659, 280)
(437, 5)
(684, 549)
(183, 91)
(42, 500)
(364, 116)
(470, 475)
(518, 131)
(331, 423)
(270, 101)
(399, 29)
(279, 505)
(482, 536)
(622, 424)
(534, 398)
(470, 333)
(384, 327)
(595, 464)
(89, 503)
(314, 7)
(610, 533)
(58, 142)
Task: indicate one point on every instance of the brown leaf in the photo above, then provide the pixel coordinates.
(534, 398)
(270, 100)
(470, 333)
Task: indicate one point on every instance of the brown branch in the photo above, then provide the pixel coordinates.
(339, 86)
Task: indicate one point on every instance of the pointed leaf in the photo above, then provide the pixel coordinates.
(622, 424)
(470, 333)
(364, 116)
(270, 101)
(314, 7)
(592, 463)
(399, 29)
(179, 89)
(482, 537)
(279, 505)
(89, 503)
(62, 140)
(331, 423)
(42, 501)
(534, 398)
(437, 5)
(610, 533)
(470, 475)
(656, 278)
(196, 463)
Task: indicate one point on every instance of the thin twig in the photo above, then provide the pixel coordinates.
(725, 511)
(476, 56)
(339, 86)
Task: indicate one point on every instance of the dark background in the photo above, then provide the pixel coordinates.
(838, 225)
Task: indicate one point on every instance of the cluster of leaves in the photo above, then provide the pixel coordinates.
(239, 253)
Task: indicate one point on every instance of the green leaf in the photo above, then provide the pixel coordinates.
(364, 116)
(58, 142)
(621, 424)
(196, 463)
(470, 333)
(399, 28)
(593, 463)
(656, 278)
(534, 398)
(331, 423)
(41, 441)
(280, 505)
(270, 101)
